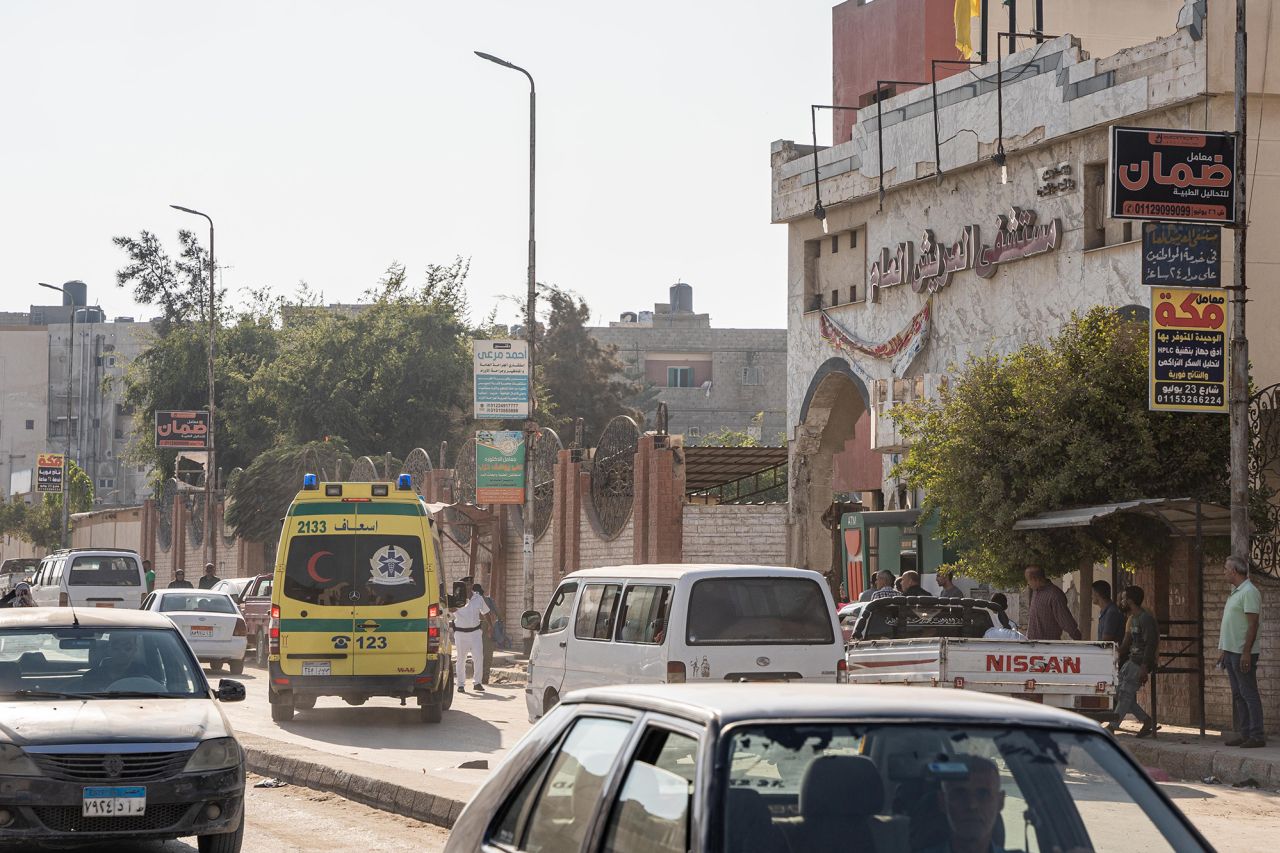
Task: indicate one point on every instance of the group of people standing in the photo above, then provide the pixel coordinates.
(885, 584)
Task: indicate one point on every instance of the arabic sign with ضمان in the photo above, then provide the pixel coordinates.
(1181, 254)
(1188, 355)
(182, 429)
(1174, 175)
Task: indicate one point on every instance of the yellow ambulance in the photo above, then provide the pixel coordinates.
(358, 607)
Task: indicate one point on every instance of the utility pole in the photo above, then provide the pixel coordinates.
(1240, 444)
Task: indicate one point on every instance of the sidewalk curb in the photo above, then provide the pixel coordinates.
(437, 809)
(1192, 760)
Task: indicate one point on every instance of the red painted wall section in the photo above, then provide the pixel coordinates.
(886, 40)
(857, 468)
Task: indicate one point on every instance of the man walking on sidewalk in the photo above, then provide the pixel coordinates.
(1048, 616)
(1138, 653)
(1237, 641)
(468, 622)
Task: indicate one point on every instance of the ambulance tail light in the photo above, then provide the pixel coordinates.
(273, 646)
(842, 671)
(433, 628)
(241, 629)
(675, 672)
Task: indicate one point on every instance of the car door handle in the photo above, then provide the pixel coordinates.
(563, 643)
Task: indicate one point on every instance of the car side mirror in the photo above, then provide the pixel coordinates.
(230, 691)
(531, 620)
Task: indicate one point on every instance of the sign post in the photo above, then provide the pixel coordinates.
(1188, 367)
(500, 458)
(51, 472)
(1173, 175)
(1176, 254)
(501, 370)
(182, 430)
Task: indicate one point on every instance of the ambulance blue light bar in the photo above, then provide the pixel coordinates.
(404, 482)
(310, 481)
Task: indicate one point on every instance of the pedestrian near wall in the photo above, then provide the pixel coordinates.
(468, 620)
(1238, 643)
(947, 585)
(1048, 617)
(490, 631)
(1110, 619)
(1138, 656)
(883, 581)
(150, 575)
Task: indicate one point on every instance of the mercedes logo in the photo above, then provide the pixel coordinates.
(762, 661)
(113, 765)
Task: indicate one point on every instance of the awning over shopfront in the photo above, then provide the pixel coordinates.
(1178, 513)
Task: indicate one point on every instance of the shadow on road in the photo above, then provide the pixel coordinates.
(396, 728)
(1182, 792)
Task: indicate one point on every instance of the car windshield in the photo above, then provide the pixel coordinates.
(205, 603)
(95, 663)
(940, 788)
(758, 611)
(105, 570)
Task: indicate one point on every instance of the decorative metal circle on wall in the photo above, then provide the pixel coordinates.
(1264, 460)
(364, 471)
(458, 524)
(229, 535)
(544, 451)
(195, 519)
(613, 474)
(464, 473)
(164, 514)
(417, 465)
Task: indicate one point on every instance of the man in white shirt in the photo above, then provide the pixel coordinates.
(469, 622)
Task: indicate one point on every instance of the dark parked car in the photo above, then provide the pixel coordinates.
(751, 768)
(109, 732)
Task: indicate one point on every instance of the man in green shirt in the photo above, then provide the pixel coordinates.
(150, 575)
(1237, 641)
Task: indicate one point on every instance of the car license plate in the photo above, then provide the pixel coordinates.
(114, 802)
(201, 632)
(317, 667)
(104, 604)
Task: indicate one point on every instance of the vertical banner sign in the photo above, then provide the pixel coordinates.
(500, 467)
(501, 371)
(1188, 350)
(49, 472)
(189, 430)
(1178, 254)
(1175, 175)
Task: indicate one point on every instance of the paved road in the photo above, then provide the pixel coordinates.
(291, 820)
(477, 727)
(1239, 821)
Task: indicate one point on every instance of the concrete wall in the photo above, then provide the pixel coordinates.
(117, 528)
(754, 534)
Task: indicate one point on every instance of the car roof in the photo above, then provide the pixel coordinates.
(729, 703)
(673, 571)
(93, 551)
(88, 617)
(184, 591)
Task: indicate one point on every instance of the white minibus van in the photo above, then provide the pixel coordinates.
(682, 623)
(90, 577)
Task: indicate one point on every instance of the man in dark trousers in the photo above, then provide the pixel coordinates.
(1138, 659)
(1110, 619)
(1048, 616)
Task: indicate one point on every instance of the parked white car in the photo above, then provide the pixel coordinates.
(90, 577)
(210, 621)
(678, 623)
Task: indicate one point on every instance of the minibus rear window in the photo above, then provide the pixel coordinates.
(766, 611)
(104, 571)
(336, 570)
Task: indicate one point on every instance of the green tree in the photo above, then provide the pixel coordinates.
(582, 378)
(178, 287)
(259, 496)
(1051, 427)
(41, 523)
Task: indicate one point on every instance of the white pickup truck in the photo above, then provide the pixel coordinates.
(938, 642)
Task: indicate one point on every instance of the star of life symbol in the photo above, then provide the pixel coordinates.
(390, 567)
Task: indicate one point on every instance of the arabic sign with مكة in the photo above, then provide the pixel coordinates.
(49, 472)
(182, 429)
(1174, 175)
(1181, 254)
(1188, 370)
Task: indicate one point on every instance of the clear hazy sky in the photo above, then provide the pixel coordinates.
(328, 139)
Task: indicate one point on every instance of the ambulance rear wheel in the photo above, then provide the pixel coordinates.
(303, 703)
(447, 702)
(281, 708)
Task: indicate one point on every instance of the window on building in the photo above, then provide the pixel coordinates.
(694, 432)
(1100, 229)
(31, 424)
(833, 277)
(751, 376)
(835, 244)
(106, 483)
(679, 377)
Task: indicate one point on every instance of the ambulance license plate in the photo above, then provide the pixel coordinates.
(114, 802)
(317, 667)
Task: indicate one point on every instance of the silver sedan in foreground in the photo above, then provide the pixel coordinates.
(747, 768)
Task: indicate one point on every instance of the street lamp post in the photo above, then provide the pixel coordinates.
(531, 322)
(210, 471)
(66, 458)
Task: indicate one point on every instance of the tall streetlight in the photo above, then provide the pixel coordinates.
(210, 471)
(531, 322)
(66, 457)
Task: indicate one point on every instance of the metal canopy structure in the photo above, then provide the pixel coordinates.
(1179, 514)
(737, 472)
(1183, 517)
